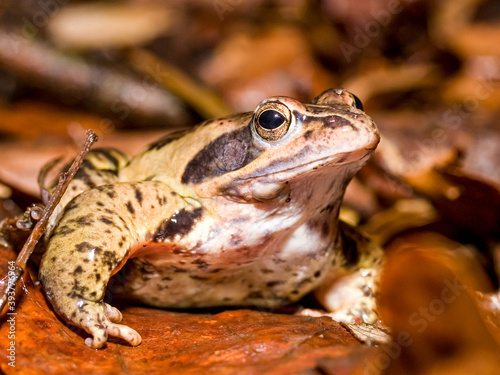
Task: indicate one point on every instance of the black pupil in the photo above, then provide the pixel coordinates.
(357, 102)
(271, 119)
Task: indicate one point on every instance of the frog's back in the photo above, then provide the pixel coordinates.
(172, 158)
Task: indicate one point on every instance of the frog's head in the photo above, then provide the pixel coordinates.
(285, 141)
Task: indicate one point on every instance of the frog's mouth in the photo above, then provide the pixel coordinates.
(340, 159)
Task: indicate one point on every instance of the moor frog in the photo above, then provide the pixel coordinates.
(238, 211)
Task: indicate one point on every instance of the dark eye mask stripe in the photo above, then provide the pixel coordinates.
(227, 153)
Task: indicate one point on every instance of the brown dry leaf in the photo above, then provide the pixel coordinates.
(473, 91)
(238, 71)
(79, 81)
(101, 25)
(35, 120)
(435, 322)
(413, 142)
(384, 79)
(450, 17)
(475, 210)
(405, 214)
(477, 40)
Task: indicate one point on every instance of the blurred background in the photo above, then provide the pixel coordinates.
(428, 72)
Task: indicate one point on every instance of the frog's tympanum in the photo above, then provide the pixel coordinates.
(239, 211)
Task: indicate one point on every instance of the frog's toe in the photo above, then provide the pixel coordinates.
(100, 320)
(126, 333)
(112, 313)
(100, 333)
(120, 330)
(100, 336)
(370, 334)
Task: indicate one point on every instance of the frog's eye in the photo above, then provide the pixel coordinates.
(356, 102)
(272, 121)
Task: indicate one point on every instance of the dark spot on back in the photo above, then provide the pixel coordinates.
(78, 270)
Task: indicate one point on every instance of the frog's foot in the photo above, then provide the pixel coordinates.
(100, 320)
(369, 333)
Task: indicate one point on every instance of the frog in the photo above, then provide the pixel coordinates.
(237, 211)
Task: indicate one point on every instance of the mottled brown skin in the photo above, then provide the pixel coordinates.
(239, 211)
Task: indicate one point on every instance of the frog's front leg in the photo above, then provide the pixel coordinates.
(351, 297)
(91, 242)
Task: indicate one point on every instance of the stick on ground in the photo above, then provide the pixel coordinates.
(41, 225)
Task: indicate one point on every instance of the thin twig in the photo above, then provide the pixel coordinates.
(41, 225)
